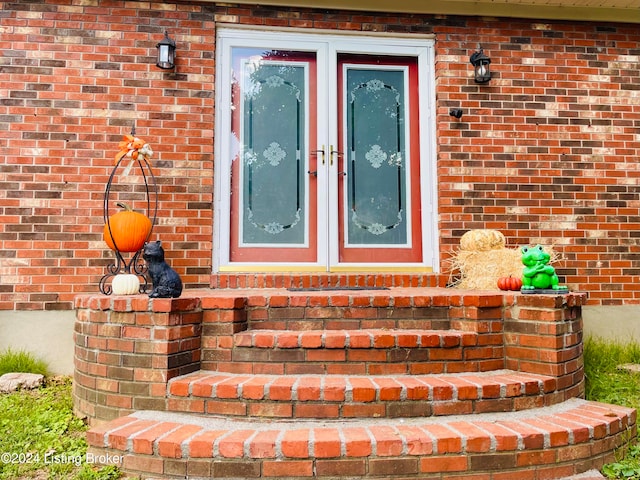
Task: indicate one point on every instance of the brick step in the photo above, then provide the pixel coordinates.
(550, 443)
(337, 309)
(355, 339)
(338, 396)
(361, 352)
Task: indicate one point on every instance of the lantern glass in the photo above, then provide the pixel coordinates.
(166, 52)
(482, 73)
(481, 69)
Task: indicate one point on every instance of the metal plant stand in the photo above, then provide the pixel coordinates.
(135, 264)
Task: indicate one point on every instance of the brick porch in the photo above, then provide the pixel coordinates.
(406, 380)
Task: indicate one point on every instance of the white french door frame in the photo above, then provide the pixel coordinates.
(327, 47)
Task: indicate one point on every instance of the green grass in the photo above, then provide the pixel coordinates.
(21, 362)
(40, 437)
(44, 440)
(606, 382)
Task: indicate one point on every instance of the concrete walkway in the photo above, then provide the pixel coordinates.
(590, 475)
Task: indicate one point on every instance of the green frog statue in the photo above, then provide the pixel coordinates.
(537, 273)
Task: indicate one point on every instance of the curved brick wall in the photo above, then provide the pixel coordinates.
(128, 348)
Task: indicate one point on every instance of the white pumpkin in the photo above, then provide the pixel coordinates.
(125, 284)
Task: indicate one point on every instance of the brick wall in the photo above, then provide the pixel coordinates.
(74, 78)
(546, 153)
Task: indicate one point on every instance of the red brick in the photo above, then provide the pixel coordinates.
(232, 445)
(219, 407)
(180, 388)
(295, 443)
(390, 390)
(96, 435)
(143, 464)
(477, 440)
(311, 340)
(364, 410)
(333, 389)
(254, 388)
(326, 443)
(387, 442)
(263, 409)
(230, 387)
(288, 340)
(360, 340)
(204, 387)
(308, 388)
(171, 445)
(311, 410)
(357, 442)
(558, 436)
(282, 469)
(281, 388)
(449, 463)
(363, 390)
(201, 446)
(446, 440)
(417, 441)
(340, 467)
(143, 442)
(263, 445)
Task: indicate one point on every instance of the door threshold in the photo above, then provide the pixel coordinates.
(316, 269)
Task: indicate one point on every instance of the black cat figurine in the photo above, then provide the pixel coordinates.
(166, 281)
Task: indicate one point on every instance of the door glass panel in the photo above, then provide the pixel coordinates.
(271, 196)
(376, 158)
(272, 140)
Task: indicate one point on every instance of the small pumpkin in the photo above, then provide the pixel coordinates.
(128, 230)
(125, 284)
(509, 283)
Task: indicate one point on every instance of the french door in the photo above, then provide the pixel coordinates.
(323, 153)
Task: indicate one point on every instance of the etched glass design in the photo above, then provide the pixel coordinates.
(376, 166)
(272, 141)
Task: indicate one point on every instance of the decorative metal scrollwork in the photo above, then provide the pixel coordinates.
(135, 265)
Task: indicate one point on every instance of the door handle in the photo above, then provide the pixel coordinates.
(342, 173)
(314, 173)
(316, 152)
(332, 153)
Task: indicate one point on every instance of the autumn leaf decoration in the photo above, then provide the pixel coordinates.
(135, 148)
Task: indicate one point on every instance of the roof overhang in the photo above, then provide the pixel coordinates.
(627, 11)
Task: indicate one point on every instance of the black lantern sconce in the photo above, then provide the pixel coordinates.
(166, 52)
(481, 70)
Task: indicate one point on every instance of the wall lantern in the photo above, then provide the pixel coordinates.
(481, 70)
(166, 52)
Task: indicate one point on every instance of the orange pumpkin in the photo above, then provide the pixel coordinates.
(509, 283)
(128, 229)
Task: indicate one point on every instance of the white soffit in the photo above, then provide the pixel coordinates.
(627, 11)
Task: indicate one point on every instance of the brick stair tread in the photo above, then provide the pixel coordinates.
(356, 339)
(349, 395)
(175, 436)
